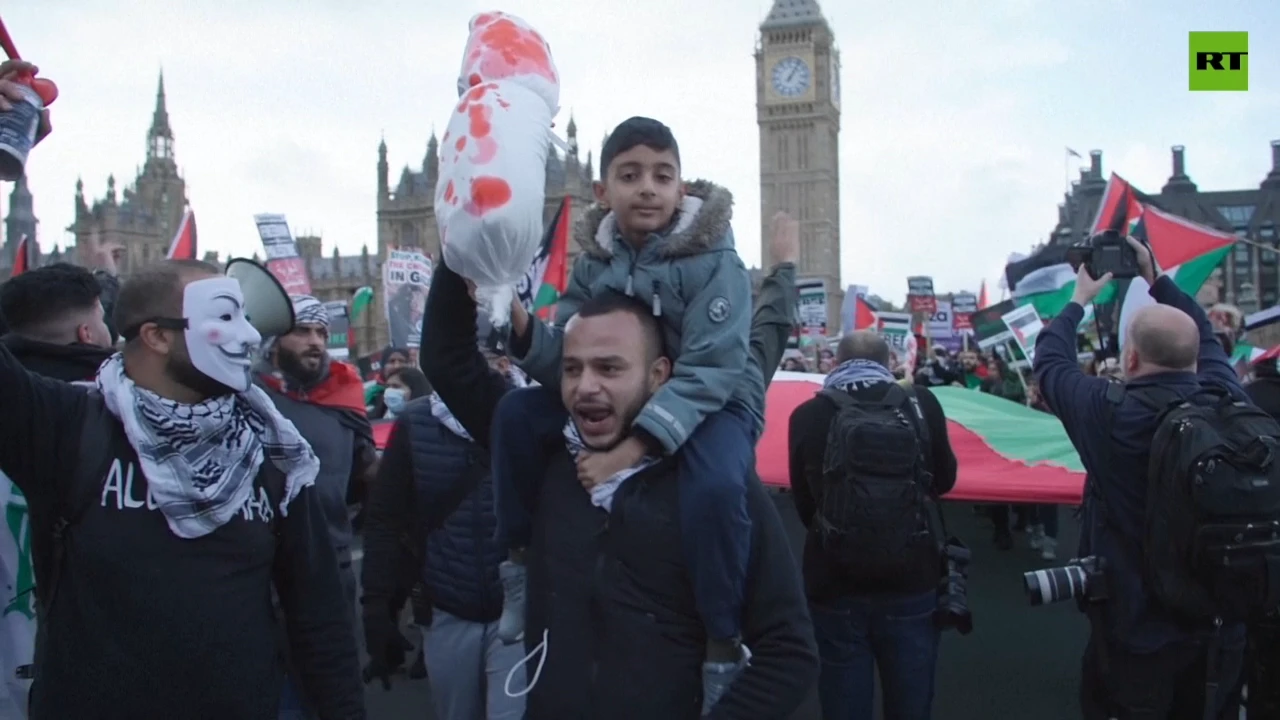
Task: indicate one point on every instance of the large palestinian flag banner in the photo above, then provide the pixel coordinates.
(1005, 451)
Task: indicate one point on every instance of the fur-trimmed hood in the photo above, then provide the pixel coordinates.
(702, 224)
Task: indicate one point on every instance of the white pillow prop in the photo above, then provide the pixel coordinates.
(504, 47)
(492, 189)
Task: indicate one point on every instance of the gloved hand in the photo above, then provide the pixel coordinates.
(383, 640)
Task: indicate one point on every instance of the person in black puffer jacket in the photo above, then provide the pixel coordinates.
(430, 464)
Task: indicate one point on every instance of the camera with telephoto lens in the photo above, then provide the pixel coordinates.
(953, 589)
(1083, 580)
(1106, 252)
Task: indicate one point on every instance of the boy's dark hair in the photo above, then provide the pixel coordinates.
(36, 301)
(155, 292)
(633, 132)
(611, 302)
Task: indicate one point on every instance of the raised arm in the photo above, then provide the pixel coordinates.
(450, 356)
(40, 421)
(1214, 365)
(713, 355)
(1063, 385)
(536, 346)
(774, 318)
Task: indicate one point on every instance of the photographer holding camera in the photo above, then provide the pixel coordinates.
(1166, 604)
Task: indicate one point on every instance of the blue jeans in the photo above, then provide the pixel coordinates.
(856, 635)
(715, 463)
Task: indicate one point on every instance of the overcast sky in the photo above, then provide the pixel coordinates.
(956, 112)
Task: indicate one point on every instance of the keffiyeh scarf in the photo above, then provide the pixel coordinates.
(852, 374)
(309, 311)
(515, 379)
(201, 460)
(602, 494)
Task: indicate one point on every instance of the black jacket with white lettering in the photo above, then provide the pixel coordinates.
(144, 624)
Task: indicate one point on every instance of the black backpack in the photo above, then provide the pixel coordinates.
(1212, 528)
(876, 512)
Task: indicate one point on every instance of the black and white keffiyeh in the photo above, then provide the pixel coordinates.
(201, 460)
(307, 310)
(602, 494)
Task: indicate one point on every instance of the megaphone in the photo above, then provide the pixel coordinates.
(266, 303)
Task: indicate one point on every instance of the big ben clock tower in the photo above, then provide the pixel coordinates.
(798, 110)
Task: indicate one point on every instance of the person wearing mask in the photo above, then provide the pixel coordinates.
(429, 461)
(1144, 659)
(871, 573)
(166, 504)
(403, 385)
(571, 643)
(393, 358)
(325, 400)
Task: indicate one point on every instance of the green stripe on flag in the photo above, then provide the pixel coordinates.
(1191, 275)
(1013, 430)
(1049, 304)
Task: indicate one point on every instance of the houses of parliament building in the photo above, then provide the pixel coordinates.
(798, 112)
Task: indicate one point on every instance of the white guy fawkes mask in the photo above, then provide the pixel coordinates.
(219, 337)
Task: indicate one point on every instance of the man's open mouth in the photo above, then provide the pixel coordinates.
(594, 420)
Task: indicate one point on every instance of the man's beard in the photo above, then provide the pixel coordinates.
(290, 363)
(180, 369)
(628, 419)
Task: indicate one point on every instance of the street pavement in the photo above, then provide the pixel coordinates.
(1020, 661)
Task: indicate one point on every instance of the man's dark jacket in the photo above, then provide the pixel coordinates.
(1265, 388)
(610, 589)
(433, 484)
(1114, 443)
(807, 438)
(68, 363)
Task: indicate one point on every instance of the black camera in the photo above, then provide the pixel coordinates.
(953, 589)
(1084, 579)
(1106, 252)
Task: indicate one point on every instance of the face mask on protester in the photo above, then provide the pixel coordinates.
(394, 399)
(219, 338)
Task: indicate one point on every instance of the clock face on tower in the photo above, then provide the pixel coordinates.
(791, 77)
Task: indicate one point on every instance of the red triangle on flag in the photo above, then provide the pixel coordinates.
(21, 259)
(863, 316)
(982, 296)
(1176, 240)
(1118, 197)
(183, 246)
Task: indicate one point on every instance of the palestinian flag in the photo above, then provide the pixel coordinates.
(864, 318)
(1046, 280)
(183, 246)
(1185, 251)
(548, 275)
(1005, 451)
